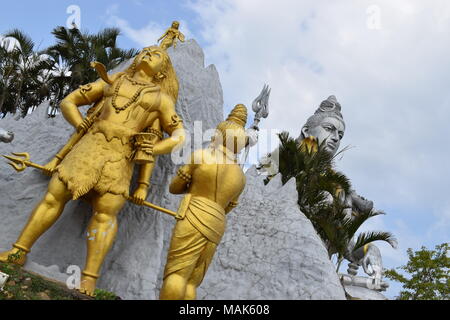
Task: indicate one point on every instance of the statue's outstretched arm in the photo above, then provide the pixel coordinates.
(165, 34)
(172, 124)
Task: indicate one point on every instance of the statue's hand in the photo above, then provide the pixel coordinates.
(140, 194)
(373, 259)
(145, 146)
(84, 125)
(252, 135)
(50, 167)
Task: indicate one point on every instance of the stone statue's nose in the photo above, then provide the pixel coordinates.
(335, 137)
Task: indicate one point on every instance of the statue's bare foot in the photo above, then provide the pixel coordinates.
(15, 256)
(87, 285)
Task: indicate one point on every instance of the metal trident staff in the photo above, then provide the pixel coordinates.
(261, 108)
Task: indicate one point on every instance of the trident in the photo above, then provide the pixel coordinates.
(261, 108)
(22, 162)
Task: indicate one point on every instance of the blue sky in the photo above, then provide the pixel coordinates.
(386, 62)
(38, 18)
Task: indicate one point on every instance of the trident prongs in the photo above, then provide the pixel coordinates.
(18, 163)
(261, 105)
(21, 161)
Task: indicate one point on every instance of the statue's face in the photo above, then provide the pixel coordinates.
(175, 25)
(150, 60)
(330, 130)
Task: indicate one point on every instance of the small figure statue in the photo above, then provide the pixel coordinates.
(213, 181)
(124, 127)
(170, 36)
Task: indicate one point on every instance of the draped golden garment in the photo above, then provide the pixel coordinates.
(99, 161)
(196, 236)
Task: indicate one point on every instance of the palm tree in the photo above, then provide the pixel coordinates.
(23, 73)
(77, 50)
(28, 77)
(319, 190)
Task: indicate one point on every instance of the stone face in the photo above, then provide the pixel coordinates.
(269, 251)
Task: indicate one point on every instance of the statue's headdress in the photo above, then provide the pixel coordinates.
(331, 105)
(328, 108)
(232, 130)
(238, 115)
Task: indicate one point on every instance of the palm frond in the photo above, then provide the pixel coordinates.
(25, 42)
(371, 236)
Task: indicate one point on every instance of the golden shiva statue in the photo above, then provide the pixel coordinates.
(171, 36)
(213, 181)
(129, 106)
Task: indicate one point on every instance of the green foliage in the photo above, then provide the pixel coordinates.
(77, 50)
(320, 190)
(101, 294)
(429, 274)
(23, 285)
(13, 257)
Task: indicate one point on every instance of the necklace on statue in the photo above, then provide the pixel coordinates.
(132, 99)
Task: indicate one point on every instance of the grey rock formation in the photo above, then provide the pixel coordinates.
(270, 250)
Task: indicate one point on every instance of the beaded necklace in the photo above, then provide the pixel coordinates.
(133, 98)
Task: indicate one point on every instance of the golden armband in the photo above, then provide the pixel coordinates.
(184, 175)
(84, 89)
(175, 121)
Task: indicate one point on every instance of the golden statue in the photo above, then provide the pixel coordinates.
(170, 36)
(131, 109)
(213, 181)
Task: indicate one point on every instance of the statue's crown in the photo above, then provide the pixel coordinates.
(330, 105)
(238, 115)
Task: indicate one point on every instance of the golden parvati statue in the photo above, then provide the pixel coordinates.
(170, 37)
(99, 166)
(213, 181)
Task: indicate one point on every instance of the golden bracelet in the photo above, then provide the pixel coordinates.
(185, 176)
